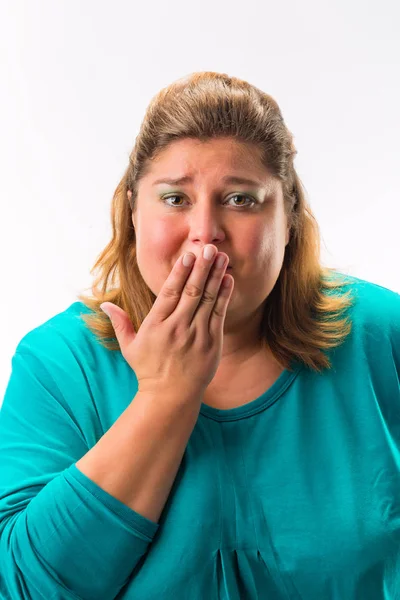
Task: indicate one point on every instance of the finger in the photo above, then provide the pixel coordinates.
(220, 307)
(171, 292)
(201, 287)
(122, 325)
(211, 290)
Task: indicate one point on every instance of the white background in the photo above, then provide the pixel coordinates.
(76, 78)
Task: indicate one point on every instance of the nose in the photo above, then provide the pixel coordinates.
(206, 226)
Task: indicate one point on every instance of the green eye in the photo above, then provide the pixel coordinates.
(252, 201)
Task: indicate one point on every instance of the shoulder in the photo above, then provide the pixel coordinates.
(62, 335)
(375, 309)
(375, 301)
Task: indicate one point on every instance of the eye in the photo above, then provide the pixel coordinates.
(169, 197)
(243, 196)
(252, 201)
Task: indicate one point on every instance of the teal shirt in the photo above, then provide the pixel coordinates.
(295, 495)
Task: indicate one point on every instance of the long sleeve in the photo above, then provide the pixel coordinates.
(61, 535)
(295, 494)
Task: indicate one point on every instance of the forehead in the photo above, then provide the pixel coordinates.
(192, 156)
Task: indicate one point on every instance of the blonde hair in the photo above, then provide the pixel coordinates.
(303, 315)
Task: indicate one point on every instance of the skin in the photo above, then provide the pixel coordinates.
(206, 211)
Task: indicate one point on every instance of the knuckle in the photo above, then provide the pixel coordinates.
(219, 312)
(171, 292)
(192, 290)
(208, 298)
(182, 336)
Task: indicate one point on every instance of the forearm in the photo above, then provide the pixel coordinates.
(137, 459)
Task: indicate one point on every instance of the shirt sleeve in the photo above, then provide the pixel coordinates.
(61, 535)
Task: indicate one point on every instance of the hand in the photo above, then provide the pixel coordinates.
(179, 344)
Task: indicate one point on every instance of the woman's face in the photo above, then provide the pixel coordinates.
(246, 221)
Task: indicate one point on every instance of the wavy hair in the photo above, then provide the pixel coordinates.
(304, 313)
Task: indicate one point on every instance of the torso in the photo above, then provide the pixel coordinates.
(249, 383)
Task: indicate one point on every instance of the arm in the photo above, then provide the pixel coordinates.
(138, 458)
(58, 527)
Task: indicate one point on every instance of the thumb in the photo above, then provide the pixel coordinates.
(121, 323)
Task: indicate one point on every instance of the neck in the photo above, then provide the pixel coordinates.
(242, 337)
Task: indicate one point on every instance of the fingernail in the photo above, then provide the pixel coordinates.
(188, 260)
(208, 252)
(106, 310)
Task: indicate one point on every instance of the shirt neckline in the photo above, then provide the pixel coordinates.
(269, 397)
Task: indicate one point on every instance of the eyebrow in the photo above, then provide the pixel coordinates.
(227, 179)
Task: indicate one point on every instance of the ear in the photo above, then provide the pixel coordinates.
(287, 235)
(129, 194)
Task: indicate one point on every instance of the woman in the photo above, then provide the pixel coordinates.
(228, 432)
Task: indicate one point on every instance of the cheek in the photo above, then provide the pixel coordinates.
(264, 249)
(157, 248)
(258, 246)
(155, 242)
